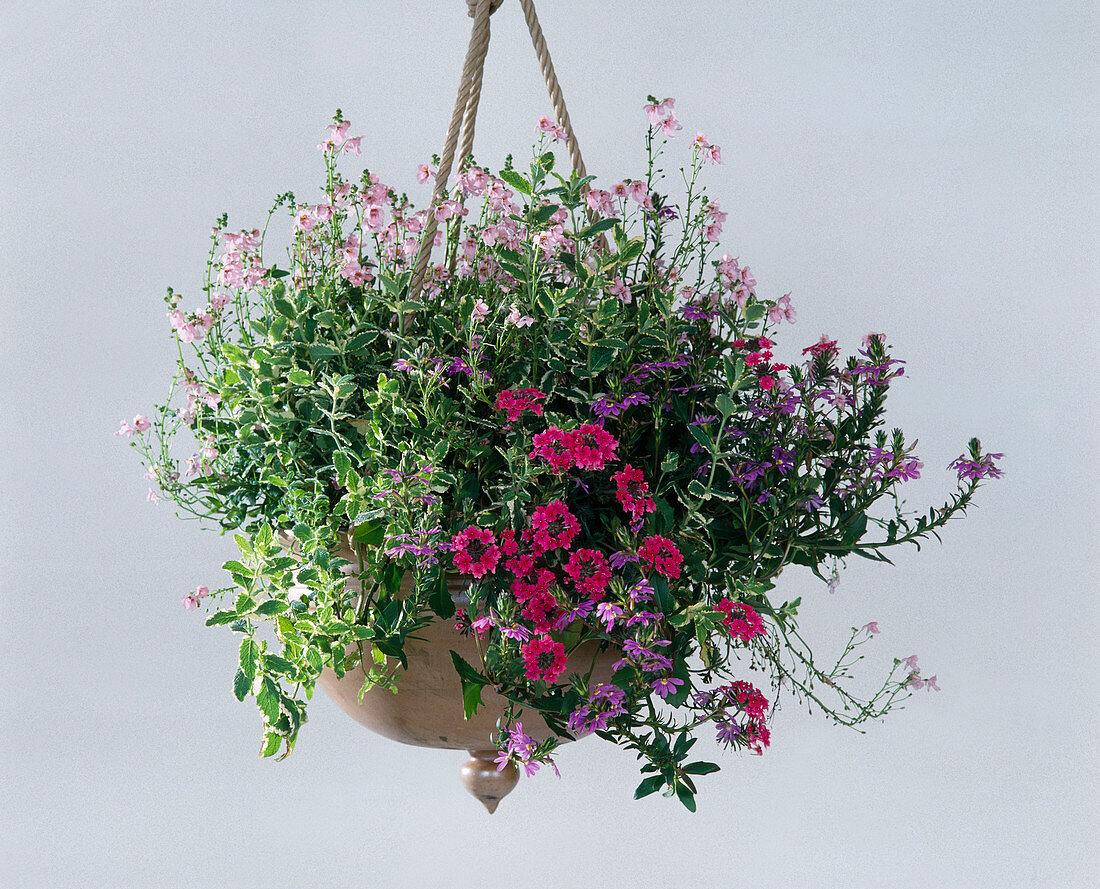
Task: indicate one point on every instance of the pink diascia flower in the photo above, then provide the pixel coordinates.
(518, 319)
(710, 153)
(618, 288)
(140, 423)
(782, 310)
(661, 553)
(480, 310)
(871, 629)
(476, 551)
(660, 114)
(544, 659)
(191, 601)
(546, 125)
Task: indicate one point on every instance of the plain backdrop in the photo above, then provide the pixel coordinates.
(925, 169)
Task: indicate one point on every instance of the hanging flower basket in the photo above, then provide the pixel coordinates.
(542, 487)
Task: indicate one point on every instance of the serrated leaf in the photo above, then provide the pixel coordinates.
(318, 352)
(241, 686)
(221, 617)
(250, 651)
(268, 699)
(516, 181)
(272, 606)
(300, 378)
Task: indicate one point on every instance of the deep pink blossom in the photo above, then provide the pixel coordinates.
(475, 551)
(590, 571)
(543, 659)
(554, 526)
(661, 553)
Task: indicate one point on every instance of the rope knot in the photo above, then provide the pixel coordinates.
(471, 6)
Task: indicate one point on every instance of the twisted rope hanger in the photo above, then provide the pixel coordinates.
(464, 115)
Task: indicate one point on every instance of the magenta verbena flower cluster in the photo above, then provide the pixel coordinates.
(579, 410)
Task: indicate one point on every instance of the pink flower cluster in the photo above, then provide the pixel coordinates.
(191, 600)
(661, 554)
(514, 402)
(240, 263)
(709, 152)
(741, 621)
(662, 116)
(555, 131)
(543, 659)
(140, 423)
(632, 491)
(338, 141)
(587, 447)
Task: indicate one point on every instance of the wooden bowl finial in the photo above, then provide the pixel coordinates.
(489, 784)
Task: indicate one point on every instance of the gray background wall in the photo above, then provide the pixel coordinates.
(927, 169)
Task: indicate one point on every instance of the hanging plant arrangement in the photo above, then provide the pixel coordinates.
(563, 460)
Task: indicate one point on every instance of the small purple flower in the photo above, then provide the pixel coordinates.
(728, 731)
(642, 591)
(621, 558)
(607, 613)
(666, 685)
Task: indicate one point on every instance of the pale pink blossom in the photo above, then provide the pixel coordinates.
(546, 125)
(141, 423)
(340, 195)
(600, 202)
(474, 181)
(658, 111)
(352, 145)
(374, 219)
(152, 497)
(782, 310)
(480, 310)
(670, 125)
(126, 429)
(176, 319)
(423, 173)
(191, 333)
(518, 319)
(871, 629)
(713, 232)
(338, 132)
(707, 151)
(322, 212)
(191, 601)
(305, 221)
(619, 289)
(354, 273)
